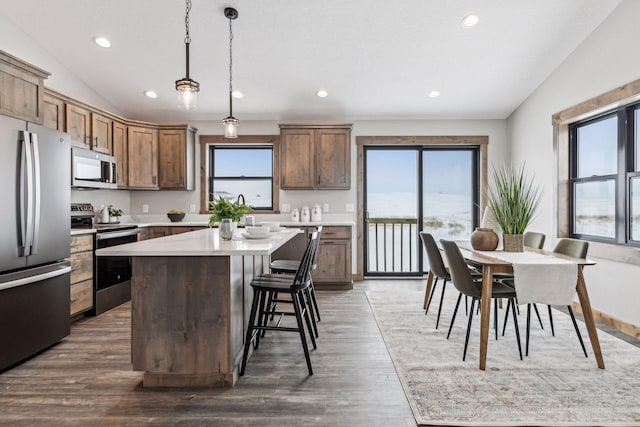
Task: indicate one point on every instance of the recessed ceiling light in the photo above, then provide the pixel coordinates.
(237, 94)
(102, 42)
(322, 93)
(150, 94)
(434, 94)
(470, 20)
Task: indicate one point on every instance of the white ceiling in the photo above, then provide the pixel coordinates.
(378, 59)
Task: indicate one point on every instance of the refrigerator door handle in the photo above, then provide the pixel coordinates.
(35, 278)
(26, 192)
(36, 194)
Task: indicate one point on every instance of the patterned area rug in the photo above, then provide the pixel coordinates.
(554, 386)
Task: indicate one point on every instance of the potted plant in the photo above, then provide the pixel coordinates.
(222, 208)
(513, 198)
(175, 216)
(114, 213)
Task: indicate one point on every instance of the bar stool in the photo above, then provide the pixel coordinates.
(287, 266)
(294, 285)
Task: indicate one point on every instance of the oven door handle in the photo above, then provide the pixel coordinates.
(116, 234)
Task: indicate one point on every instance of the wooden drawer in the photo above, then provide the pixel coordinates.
(335, 232)
(81, 266)
(81, 297)
(81, 243)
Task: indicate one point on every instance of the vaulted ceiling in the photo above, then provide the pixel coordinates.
(377, 59)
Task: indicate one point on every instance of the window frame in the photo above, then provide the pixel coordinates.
(622, 96)
(244, 141)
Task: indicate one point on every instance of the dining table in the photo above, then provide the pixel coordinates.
(489, 263)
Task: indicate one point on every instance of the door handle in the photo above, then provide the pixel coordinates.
(36, 192)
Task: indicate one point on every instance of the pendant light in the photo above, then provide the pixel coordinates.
(187, 88)
(230, 123)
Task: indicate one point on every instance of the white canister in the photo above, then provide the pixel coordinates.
(104, 215)
(316, 213)
(305, 214)
(295, 215)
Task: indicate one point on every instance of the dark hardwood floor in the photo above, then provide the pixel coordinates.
(87, 379)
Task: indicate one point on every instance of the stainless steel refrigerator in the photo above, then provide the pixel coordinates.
(35, 193)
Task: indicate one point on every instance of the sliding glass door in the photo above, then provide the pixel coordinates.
(407, 190)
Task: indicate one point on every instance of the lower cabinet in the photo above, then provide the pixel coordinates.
(81, 273)
(333, 259)
(161, 231)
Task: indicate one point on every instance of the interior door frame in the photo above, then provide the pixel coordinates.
(481, 142)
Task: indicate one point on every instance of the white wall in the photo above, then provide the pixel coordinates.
(605, 60)
(15, 42)
(161, 202)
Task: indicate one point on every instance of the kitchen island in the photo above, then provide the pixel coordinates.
(190, 302)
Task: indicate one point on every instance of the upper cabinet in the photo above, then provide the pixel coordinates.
(54, 114)
(78, 126)
(120, 147)
(21, 89)
(101, 137)
(176, 158)
(315, 157)
(142, 153)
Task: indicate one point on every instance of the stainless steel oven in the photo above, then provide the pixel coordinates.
(112, 281)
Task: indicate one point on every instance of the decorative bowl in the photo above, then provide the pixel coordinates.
(175, 217)
(272, 226)
(257, 231)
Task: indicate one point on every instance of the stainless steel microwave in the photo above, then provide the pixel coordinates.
(90, 169)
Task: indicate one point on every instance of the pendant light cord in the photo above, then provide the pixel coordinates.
(187, 38)
(230, 67)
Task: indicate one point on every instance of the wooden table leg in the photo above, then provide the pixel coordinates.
(427, 292)
(583, 295)
(485, 312)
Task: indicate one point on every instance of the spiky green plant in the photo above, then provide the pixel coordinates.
(513, 198)
(222, 208)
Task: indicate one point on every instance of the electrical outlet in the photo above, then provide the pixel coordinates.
(145, 208)
(325, 207)
(192, 207)
(350, 207)
(286, 207)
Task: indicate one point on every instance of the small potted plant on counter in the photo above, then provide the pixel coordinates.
(114, 214)
(222, 208)
(175, 216)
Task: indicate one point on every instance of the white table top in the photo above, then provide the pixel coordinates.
(205, 242)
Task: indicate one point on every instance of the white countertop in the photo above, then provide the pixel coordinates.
(205, 242)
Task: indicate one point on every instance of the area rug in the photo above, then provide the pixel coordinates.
(554, 386)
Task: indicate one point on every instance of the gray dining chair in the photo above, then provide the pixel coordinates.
(573, 248)
(438, 269)
(464, 282)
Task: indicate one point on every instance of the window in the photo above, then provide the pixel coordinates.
(604, 170)
(242, 170)
(247, 165)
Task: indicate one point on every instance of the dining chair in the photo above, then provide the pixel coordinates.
(295, 286)
(464, 282)
(289, 266)
(570, 247)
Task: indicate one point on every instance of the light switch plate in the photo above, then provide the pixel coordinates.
(192, 207)
(145, 208)
(325, 207)
(286, 207)
(350, 207)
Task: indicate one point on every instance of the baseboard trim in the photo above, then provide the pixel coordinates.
(617, 324)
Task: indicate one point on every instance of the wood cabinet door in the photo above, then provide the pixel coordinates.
(53, 113)
(143, 158)
(296, 159)
(78, 126)
(101, 133)
(155, 232)
(20, 93)
(172, 170)
(120, 153)
(333, 262)
(333, 160)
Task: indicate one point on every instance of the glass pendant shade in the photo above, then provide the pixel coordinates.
(187, 94)
(230, 127)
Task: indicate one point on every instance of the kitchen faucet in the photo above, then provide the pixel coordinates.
(238, 200)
